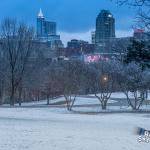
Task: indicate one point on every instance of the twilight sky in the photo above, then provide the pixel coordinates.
(75, 18)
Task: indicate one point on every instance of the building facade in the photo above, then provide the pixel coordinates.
(105, 30)
(45, 28)
(142, 35)
(47, 32)
(78, 47)
(93, 37)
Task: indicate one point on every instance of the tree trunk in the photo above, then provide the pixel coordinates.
(1, 97)
(20, 96)
(1, 92)
(38, 96)
(67, 102)
(24, 95)
(104, 104)
(71, 105)
(12, 98)
(48, 100)
(103, 101)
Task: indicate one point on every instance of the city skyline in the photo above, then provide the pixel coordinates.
(77, 36)
(70, 25)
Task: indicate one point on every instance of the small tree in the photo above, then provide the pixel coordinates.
(54, 86)
(101, 81)
(70, 80)
(133, 81)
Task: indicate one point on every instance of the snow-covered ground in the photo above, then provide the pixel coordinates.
(89, 103)
(79, 101)
(58, 129)
(122, 95)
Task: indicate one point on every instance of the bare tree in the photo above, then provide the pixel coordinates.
(102, 80)
(134, 83)
(72, 76)
(36, 75)
(143, 9)
(119, 47)
(66, 79)
(53, 85)
(16, 43)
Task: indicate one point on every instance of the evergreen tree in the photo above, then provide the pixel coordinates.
(139, 52)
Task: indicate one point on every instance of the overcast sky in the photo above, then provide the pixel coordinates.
(75, 18)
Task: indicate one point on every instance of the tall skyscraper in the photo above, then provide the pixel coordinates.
(45, 28)
(105, 29)
(46, 32)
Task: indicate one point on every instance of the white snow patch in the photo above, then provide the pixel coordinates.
(57, 129)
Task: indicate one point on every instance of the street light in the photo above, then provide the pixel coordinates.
(105, 78)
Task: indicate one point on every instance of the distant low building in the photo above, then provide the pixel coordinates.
(140, 34)
(78, 47)
(93, 40)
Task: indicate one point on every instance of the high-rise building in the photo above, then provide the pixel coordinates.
(46, 32)
(45, 28)
(105, 29)
(105, 25)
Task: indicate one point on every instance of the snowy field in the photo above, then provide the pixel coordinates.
(79, 101)
(57, 129)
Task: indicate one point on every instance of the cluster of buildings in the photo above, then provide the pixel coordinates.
(48, 47)
(103, 40)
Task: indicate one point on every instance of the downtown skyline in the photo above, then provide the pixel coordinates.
(73, 20)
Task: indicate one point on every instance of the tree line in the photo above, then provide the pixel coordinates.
(24, 79)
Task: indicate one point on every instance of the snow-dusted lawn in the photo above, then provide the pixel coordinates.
(57, 129)
(89, 101)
